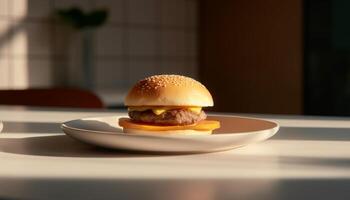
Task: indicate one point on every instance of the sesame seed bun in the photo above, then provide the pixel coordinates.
(169, 90)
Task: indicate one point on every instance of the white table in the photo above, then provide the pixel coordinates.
(308, 159)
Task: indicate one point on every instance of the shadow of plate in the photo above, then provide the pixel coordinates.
(62, 146)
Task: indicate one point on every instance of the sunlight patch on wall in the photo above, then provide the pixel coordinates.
(19, 48)
(4, 58)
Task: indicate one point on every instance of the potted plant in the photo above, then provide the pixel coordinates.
(86, 23)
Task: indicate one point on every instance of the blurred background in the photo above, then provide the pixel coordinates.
(283, 57)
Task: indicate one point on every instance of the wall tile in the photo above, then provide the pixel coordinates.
(19, 73)
(192, 68)
(139, 69)
(157, 66)
(4, 72)
(173, 43)
(30, 38)
(192, 42)
(109, 41)
(19, 8)
(40, 73)
(63, 39)
(173, 13)
(75, 60)
(30, 9)
(19, 39)
(110, 74)
(142, 42)
(4, 7)
(128, 48)
(75, 75)
(4, 36)
(181, 67)
(83, 4)
(59, 69)
(115, 9)
(174, 67)
(141, 11)
(192, 13)
(30, 72)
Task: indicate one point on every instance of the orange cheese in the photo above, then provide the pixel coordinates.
(161, 109)
(205, 125)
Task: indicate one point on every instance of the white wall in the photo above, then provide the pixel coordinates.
(141, 38)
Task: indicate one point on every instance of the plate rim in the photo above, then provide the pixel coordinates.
(65, 126)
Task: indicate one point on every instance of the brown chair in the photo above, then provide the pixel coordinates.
(56, 97)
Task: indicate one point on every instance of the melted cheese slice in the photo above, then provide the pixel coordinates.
(204, 125)
(160, 110)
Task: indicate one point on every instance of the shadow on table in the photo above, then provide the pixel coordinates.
(317, 134)
(62, 146)
(31, 127)
(184, 189)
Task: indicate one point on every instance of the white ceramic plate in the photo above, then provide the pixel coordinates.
(1, 126)
(234, 132)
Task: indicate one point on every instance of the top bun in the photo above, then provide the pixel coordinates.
(169, 90)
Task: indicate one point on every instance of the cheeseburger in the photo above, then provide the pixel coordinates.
(168, 104)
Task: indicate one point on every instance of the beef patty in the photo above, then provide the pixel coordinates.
(169, 117)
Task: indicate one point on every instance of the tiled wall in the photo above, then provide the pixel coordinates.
(141, 37)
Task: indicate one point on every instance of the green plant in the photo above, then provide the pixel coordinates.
(80, 20)
(86, 23)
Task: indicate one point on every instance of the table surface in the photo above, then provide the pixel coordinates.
(308, 158)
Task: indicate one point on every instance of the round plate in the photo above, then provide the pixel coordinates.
(234, 132)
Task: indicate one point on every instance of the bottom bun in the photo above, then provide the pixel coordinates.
(170, 132)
